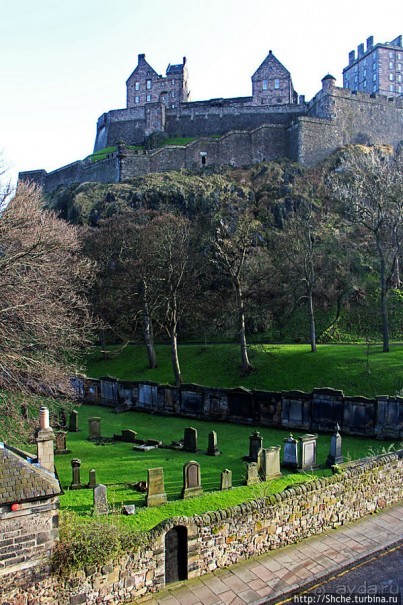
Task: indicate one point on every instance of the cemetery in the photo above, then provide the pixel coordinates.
(285, 488)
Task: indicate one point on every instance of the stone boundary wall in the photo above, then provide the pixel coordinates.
(225, 537)
(380, 417)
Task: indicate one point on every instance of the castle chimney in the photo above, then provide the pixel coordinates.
(141, 57)
(370, 42)
(44, 441)
(351, 57)
(360, 50)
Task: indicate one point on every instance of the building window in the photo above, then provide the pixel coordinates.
(399, 89)
(148, 84)
(374, 66)
(265, 84)
(365, 83)
(399, 66)
(391, 77)
(173, 82)
(355, 79)
(137, 86)
(173, 94)
(374, 88)
(374, 77)
(148, 98)
(276, 83)
(391, 88)
(365, 73)
(137, 99)
(391, 66)
(399, 77)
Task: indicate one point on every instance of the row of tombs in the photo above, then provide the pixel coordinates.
(380, 417)
(262, 464)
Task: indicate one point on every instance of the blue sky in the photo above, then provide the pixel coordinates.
(64, 63)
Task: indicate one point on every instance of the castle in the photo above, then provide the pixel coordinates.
(273, 122)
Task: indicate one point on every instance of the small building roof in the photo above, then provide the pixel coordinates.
(22, 479)
(174, 69)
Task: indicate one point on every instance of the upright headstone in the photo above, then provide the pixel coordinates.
(255, 444)
(335, 453)
(73, 421)
(62, 418)
(190, 440)
(252, 476)
(155, 487)
(92, 482)
(269, 462)
(290, 453)
(100, 500)
(94, 428)
(308, 451)
(129, 436)
(191, 480)
(75, 467)
(226, 480)
(212, 449)
(60, 443)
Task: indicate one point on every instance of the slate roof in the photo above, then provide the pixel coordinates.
(22, 480)
(174, 69)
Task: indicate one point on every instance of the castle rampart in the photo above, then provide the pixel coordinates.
(237, 131)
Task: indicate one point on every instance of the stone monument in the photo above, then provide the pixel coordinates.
(191, 480)
(100, 500)
(73, 422)
(94, 428)
(269, 462)
(212, 449)
(75, 467)
(335, 454)
(255, 444)
(290, 454)
(308, 451)
(252, 476)
(226, 480)
(190, 440)
(155, 487)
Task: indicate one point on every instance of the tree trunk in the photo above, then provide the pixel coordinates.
(175, 357)
(312, 328)
(384, 299)
(246, 367)
(148, 331)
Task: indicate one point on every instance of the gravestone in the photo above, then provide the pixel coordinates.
(226, 480)
(255, 444)
(190, 440)
(129, 509)
(191, 480)
(73, 422)
(155, 487)
(290, 454)
(269, 462)
(62, 418)
(100, 500)
(129, 436)
(92, 479)
(75, 466)
(335, 454)
(252, 476)
(94, 428)
(60, 443)
(308, 451)
(212, 449)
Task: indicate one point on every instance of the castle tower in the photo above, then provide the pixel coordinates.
(272, 84)
(145, 86)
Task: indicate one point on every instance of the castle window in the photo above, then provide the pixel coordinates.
(137, 99)
(399, 89)
(365, 73)
(148, 84)
(399, 77)
(365, 83)
(137, 86)
(265, 84)
(374, 77)
(374, 88)
(148, 98)
(173, 82)
(391, 87)
(391, 54)
(374, 65)
(399, 66)
(391, 65)
(172, 93)
(276, 83)
(391, 77)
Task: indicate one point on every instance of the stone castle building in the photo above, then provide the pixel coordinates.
(272, 123)
(376, 69)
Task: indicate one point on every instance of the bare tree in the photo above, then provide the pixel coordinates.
(369, 183)
(44, 315)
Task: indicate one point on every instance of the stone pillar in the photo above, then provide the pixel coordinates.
(75, 466)
(92, 479)
(335, 454)
(45, 441)
(255, 444)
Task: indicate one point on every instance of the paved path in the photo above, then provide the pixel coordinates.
(271, 578)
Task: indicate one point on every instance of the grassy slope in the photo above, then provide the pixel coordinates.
(118, 465)
(279, 367)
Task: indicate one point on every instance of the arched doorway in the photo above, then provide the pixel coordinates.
(176, 554)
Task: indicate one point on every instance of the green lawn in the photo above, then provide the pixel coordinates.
(118, 466)
(355, 369)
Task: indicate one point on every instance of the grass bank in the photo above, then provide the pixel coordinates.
(355, 369)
